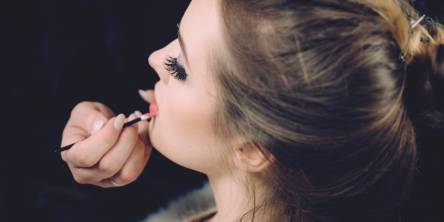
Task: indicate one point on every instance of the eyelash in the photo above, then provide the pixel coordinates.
(175, 68)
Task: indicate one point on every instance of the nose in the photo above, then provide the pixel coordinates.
(156, 61)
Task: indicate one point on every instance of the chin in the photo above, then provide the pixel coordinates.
(179, 158)
(178, 155)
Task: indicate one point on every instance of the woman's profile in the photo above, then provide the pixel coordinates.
(295, 110)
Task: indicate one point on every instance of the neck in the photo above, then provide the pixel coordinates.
(233, 199)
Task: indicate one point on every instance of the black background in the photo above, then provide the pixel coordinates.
(58, 53)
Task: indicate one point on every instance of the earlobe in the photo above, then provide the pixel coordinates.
(250, 158)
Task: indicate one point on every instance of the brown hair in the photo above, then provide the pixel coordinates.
(332, 89)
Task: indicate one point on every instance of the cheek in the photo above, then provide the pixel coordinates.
(183, 131)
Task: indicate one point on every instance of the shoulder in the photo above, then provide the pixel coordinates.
(187, 206)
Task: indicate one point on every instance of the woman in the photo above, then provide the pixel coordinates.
(295, 110)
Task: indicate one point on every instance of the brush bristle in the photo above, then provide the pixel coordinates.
(145, 116)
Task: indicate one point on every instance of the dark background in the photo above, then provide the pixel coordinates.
(58, 53)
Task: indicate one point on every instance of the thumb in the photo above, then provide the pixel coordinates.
(84, 121)
(97, 124)
(90, 150)
(89, 117)
(93, 121)
(147, 95)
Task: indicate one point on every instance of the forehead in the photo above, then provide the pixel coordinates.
(203, 14)
(201, 30)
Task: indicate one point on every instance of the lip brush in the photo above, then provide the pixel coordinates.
(127, 124)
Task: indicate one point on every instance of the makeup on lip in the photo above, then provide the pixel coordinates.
(146, 116)
(153, 109)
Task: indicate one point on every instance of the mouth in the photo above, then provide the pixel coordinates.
(153, 108)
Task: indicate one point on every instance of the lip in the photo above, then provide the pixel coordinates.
(154, 107)
(155, 93)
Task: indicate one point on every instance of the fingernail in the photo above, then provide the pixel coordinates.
(144, 96)
(98, 124)
(119, 121)
(132, 116)
(137, 113)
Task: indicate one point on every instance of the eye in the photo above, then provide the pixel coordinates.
(175, 69)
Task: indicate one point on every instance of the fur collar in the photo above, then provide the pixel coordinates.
(188, 206)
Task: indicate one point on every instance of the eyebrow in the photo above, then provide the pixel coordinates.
(182, 44)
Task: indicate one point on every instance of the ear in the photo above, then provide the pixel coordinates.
(250, 158)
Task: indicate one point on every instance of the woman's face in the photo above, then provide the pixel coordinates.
(185, 94)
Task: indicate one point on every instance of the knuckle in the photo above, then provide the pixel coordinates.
(108, 167)
(64, 158)
(132, 130)
(102, 185)
(128, 176)
(83, 159)
(80, 106)
(83, 104)
(130, 134)
(108, 142)
(65, 132)
(106, 139)
(79, 179)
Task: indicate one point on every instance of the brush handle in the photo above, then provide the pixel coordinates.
(67, 147)
(127, 124)
(130, 123)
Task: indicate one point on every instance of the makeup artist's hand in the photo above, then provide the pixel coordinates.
(107, 156)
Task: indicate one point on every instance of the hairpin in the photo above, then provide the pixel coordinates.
(414, 23)
(401, 58)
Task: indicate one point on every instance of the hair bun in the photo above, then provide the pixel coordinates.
(424, 93)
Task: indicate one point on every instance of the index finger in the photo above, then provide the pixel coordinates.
(85, 114)
(82, 123)
(89, 151)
